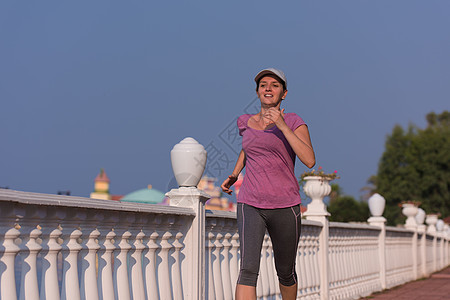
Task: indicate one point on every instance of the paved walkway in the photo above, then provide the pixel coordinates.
(436, 287)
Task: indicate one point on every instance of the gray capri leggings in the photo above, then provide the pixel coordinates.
(283, 226)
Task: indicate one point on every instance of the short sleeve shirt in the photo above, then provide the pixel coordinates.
(269, 180)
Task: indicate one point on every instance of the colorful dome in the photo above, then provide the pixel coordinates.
(148, 195)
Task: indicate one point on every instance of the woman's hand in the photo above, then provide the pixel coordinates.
(275, 116)
(227, 183)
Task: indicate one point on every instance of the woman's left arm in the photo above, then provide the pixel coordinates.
(299, 139)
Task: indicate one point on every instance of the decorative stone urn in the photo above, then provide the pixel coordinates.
(420, 217)
(188, 159)
(440, 225)
(410, 211)
(447, 230)
(431, 220)
(317, 188)
(376, 205)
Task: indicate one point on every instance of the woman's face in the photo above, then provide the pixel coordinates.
(270, 91)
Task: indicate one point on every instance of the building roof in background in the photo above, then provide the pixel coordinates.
(148, 195)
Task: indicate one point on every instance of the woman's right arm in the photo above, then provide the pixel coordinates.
(240, 164)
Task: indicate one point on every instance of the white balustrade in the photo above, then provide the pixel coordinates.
(399, 256)
(60, 247)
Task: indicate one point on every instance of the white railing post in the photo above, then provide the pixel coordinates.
(411, 211)
(195, 239)
(381, 222)
(446, 238)
(422, 229)
(317, 188)
(431, 220)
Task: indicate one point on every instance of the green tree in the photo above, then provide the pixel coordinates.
(345, 208)
(416, 166)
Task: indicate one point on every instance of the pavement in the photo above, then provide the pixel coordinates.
(435, 287)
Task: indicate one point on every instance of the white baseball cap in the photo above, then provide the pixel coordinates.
(272, 71)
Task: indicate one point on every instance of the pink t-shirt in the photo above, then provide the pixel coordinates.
(269, 180)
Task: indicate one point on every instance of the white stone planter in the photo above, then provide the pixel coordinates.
(188, 159)
(410, 211)
(376, 205)
(431, 220)
(317, 188)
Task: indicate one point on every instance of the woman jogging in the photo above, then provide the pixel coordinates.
(269, 197)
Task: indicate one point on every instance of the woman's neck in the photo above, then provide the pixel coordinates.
(265, 108)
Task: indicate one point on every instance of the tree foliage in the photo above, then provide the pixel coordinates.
(345, 208)
(416, 166)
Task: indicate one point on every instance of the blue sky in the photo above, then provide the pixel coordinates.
(110, 84)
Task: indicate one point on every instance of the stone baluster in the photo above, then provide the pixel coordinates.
(90, 246)
(50, 249)
(8, 250)
(136, 275)
(217, 272)
(176, 268)
(333, 262)
(150, 267)
(89, 287)
(29, 283)
(122, 248)
(301, 264)
(164, 280)
(210, 292)
(308, 265)
(225, 266)
(29, 249)
(105, 281)
(70, 250)
(342, 261)
(234, 261)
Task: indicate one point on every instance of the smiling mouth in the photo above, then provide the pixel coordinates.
(268, 95)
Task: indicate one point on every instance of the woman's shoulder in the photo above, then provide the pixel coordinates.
(243, 119)
(293, 120)
(242, 123)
